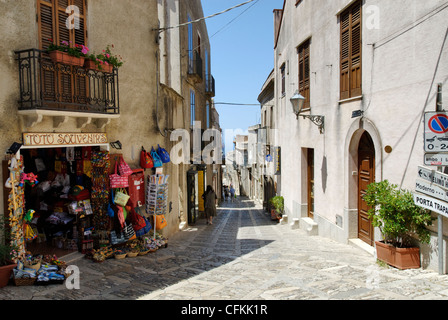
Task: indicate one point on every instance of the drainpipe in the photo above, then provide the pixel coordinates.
(439, 107)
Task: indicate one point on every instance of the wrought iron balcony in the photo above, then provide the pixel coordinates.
(49, 86)
(195, 67)
(210, 85)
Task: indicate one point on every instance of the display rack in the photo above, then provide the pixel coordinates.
(156, 198)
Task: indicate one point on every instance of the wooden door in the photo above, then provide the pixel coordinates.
(366, 176)
(310, 183)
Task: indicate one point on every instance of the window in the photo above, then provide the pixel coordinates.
(65, 85)
(304, 72)
(207, 111)
(282, 70)
(190, 43)
(192, 107)
(53, 20)
(351, 51)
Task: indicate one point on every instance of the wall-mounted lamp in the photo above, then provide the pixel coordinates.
(298, 101)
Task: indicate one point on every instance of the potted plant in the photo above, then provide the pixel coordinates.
(278, 205)
(401, 223)
(6, 263)
(66, 54)
(104, 61)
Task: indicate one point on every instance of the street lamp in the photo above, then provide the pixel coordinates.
(298, 101)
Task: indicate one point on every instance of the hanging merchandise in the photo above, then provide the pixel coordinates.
(121, 197)
(146, 161)
(137, 186)
(15, 206)
(124, 168)
(163, 154)
(118, 181)
(100, 188)
(155, 157)
(160, 222)
(128, 232)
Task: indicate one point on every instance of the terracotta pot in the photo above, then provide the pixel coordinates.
(64, 58)
(401, 258)
(274, 215)
(5, 274)
(89, 64)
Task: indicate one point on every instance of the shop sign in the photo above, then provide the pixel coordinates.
(60, 139)
(277, 161)
(431, 204)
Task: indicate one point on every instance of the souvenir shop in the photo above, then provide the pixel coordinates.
(68, 197)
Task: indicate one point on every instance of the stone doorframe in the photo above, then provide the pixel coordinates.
(354, 134)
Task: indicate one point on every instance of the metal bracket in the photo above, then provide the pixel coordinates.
(319, 121)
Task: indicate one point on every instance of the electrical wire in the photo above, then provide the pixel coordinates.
(204, 18)
(424, 107)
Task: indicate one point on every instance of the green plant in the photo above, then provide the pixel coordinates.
(76, 51)
(278, 203)
(5, 249)
(106, 58)
(394, 212)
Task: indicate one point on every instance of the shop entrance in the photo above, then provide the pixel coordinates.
(65, 176)
(366, 176)
(192, 187)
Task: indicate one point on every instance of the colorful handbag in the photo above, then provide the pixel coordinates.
(163, 154)
(156, 159)
(160, 222)
(146, 161)
(124, 168)
(121, 197)
(129, 232)
(118, 181)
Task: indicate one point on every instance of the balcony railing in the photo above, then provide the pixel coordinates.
(195, 66)
(45, 85)
(210, 85)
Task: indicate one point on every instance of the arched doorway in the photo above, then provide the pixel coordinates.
(366, 176)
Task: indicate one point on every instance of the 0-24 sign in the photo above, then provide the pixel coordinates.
(436, 132)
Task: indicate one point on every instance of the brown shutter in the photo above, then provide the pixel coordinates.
(356, 41)
(351, 51)
(64, 85)
(46, 23)
(304, 72)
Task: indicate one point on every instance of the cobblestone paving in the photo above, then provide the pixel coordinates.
(243, 256)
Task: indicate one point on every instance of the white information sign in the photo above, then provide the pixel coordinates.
(436, 132)
(436, 159)
(432, 204)
(438, 178)
(431, 190)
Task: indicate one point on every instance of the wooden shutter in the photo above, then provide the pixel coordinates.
(351, 52)
(304, 72)
(62, 85)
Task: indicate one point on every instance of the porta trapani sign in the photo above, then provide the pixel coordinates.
(432, 204)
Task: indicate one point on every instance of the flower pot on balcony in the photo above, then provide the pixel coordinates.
(64, 58)
(91, 65)
(401, 258)
(5, 274)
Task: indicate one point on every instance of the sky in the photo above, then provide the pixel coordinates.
(242, 57)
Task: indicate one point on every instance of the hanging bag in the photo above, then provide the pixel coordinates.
(128, 232)
(118, 181)
(156, 159)
(146, 161)
(163, 154)
(124, 168)
(121, 197)
(160, 222)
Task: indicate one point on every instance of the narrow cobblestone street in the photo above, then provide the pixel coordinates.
(243, 256)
